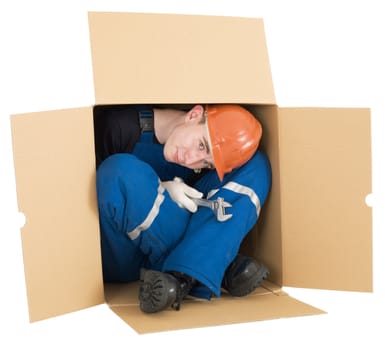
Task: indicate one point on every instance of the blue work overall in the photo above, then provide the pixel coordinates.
(141, 226)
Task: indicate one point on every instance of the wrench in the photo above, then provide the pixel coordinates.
(218, 206)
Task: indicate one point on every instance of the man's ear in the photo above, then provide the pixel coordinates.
(195, 112)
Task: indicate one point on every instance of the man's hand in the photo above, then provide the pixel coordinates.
(182, 193)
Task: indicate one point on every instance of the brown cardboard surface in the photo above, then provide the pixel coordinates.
(139, 58)
(55, 174)
(267, 302)
(325, 160)
(314, 230)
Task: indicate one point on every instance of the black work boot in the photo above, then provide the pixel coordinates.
(243, 276)
(160, 290)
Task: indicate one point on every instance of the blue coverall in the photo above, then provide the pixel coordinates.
(141, 226)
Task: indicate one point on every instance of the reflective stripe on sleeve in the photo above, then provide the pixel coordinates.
(150, 217)
(235, 187)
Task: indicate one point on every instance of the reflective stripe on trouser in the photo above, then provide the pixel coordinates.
(209, 246)
(135, 213)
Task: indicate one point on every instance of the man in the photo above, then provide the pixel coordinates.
(152, 163)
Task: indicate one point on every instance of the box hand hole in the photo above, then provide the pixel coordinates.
(20, 219)
(370, 200)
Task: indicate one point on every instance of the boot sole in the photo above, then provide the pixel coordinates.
(155, 291)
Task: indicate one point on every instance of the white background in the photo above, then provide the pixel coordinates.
(322, 53)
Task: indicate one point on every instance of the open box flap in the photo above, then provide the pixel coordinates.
(266, 302)
(55, 180)
(325, 176)
(162, 58)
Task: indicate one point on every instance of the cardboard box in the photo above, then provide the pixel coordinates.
(314, 231)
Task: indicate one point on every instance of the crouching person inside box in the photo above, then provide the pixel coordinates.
(152, 166)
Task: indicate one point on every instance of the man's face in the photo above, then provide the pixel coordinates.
(188, 144)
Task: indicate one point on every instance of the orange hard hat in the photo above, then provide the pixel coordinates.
(234, 136)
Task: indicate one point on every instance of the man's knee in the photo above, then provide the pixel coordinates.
(256, 174)
(117, 174)
(118, 164)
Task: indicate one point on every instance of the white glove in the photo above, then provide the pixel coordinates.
(182, 193)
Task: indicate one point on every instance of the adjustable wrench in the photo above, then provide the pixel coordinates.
(218, 206)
